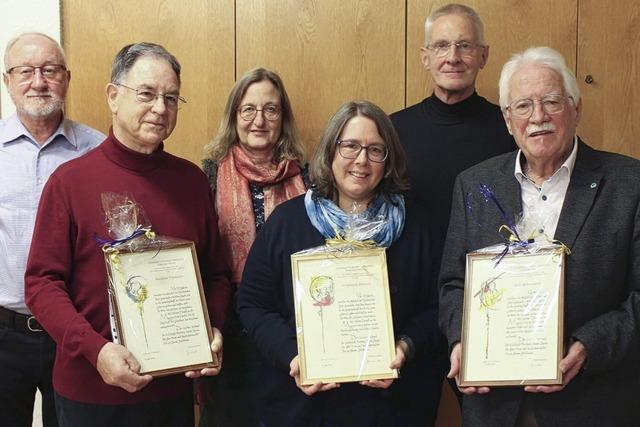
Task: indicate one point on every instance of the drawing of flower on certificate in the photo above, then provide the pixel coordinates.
(136, 288)
(321, 290)
(489, 295)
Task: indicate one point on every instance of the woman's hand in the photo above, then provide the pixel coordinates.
(309, 390)
(397, 363)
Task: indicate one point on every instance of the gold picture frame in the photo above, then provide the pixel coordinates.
(343, 315)
(512, 328)
(159, 307)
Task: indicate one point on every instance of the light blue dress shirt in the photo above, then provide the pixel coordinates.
(25, 167)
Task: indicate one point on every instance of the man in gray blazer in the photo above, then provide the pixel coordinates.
(590, 201)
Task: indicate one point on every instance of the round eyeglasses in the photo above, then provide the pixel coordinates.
(49, 72)
(551, 104)
(351, 150)
(464, 48)
(270, 112)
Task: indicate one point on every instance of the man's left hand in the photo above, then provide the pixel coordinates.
(570, 367)
(216, 348)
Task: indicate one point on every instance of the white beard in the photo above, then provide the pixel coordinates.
(39, 107)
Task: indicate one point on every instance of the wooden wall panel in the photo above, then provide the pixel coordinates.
(509, 26)
(327, 52)
(201, 36)
(609, 51)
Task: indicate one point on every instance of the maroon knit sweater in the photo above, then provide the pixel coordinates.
(65, 281)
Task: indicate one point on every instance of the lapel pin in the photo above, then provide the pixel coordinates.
(594, 185)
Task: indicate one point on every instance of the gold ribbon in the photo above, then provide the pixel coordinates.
(355, 244)
(512, 237)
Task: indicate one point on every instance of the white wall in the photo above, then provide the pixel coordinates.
(17, 16)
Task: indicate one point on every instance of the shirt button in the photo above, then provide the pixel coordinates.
(544, 197)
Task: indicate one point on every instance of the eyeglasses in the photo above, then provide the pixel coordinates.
(270, 112)
(50, 72)
(551, 104)
(351, 150)
(441, 48)
(148, 96)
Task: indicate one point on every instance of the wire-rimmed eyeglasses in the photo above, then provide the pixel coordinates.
(351, 150)
(249, 112)
(551, 104)
(465, 48)
(148, 96)
(49, 72)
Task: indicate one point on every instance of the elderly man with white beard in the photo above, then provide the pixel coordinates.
(33, 143)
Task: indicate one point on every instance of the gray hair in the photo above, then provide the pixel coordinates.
(128, 55)
(544, 57)
(19, 37)
(395, 166)
(454, 9)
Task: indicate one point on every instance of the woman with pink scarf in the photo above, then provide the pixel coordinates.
(253, 164)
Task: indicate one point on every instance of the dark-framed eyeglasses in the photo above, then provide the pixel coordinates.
(49, 72)
(348, 149)
(553, 103)
(249, 112)
(148, 96)
(465, 48)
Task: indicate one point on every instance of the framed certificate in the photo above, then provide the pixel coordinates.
(343, 316)
(159, 307)
(512, 330)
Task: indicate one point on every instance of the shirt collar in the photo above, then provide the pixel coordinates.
(13, 129)
(567, 165)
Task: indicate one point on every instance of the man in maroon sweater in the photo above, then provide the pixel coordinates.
(97, 382)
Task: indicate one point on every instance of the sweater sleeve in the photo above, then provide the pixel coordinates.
(260, 301)
(49, 268)
(422, 326)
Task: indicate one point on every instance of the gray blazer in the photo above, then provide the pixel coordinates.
(600, 223)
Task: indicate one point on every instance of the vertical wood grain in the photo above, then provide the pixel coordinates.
(609, 51)
(327, 52)
(200, 33)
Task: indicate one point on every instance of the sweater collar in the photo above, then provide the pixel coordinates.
(452, 112)
(130, 159)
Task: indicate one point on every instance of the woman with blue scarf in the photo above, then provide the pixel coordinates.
(358, 171)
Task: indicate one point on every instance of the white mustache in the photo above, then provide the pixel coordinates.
(47, 93)
(546, 126)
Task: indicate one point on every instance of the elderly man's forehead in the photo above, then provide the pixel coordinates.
(446, 22)
(34, 42)
(151, 70)
(535, 77)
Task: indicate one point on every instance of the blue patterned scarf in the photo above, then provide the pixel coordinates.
(382, 222)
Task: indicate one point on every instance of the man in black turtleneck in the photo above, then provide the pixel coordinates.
(454, 128)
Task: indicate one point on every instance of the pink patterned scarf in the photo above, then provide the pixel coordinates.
(235, 207)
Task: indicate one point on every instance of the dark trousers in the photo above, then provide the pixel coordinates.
(177, 412)
(26, 361)
(230, 398)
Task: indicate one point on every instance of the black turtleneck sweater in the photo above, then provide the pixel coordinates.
(441, 140)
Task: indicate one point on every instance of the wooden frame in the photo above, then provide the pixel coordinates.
(159, 307)
(512, 329)
(343, 316)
